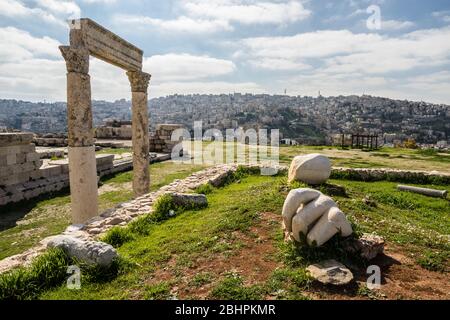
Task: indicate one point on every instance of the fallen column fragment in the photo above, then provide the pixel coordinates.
(424, 191)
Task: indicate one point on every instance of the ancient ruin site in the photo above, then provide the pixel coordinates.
(221, 196)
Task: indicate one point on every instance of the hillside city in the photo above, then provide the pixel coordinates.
(306, 120)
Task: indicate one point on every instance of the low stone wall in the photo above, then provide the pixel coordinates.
(123, 132)
(52, 177)
(380, 174)
(50, 140)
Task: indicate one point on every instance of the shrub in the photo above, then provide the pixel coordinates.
(141, 225)
(206, 188)
(117, 236)
(47, 271)
(162, 208)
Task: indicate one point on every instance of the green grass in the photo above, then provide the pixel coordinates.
(385, 157)
(192, 234)
(23, 225)
(47, 271)
(195, 235)
(231, 287)
(114, 151)
(159, 291)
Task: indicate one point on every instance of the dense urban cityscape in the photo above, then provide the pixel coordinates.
(307, 120)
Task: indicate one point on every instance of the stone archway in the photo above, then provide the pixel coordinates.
(89, 38)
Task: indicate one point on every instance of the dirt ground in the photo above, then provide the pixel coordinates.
(255, 260)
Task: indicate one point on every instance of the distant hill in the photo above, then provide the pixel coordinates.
(302, 118)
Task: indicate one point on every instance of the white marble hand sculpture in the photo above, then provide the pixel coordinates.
(309, 214)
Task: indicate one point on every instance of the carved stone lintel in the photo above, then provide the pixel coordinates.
(138, 80)
(77, 59)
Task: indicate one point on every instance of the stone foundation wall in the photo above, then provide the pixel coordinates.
(122, 133)
(160, 140)
(50, 140)
(52, 177)
(19, 160)
(386, 174)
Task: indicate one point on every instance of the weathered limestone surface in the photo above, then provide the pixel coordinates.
(83, 183)
(90, 252)
(424, 191)
(311, 168)
(368, 246)
(141, 148)
(161, 141)
(15, 139)
(126, 212)
(89, 38)
(189, 200)
(105, 45)
(309, 214)
(330, 272)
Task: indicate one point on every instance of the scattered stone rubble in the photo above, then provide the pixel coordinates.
(368, 246)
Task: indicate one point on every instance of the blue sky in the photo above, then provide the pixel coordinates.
(225, 46)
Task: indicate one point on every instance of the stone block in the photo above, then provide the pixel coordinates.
(30, 157)
(11, 159)
(15, 138)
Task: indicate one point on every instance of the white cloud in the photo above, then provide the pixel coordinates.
(16, 45)
(442, 15)
(279, 64)
(219, 15)
(99, 1)
(16, 9)
(249, 13)
(396, 25)
(33, 68)
(343, 62)
(182, 67)
(69, 8)
(181, 24)
(344, 51)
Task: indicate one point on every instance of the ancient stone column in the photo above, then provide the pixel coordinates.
(82, 162)
(141, 179)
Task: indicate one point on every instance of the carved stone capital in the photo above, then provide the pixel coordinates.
(138, 80)
(77, 59)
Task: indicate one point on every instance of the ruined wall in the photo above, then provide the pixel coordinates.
(160, 140)
(19, 160)
(23, 175)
